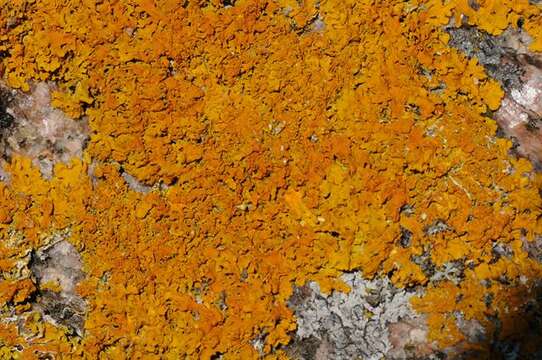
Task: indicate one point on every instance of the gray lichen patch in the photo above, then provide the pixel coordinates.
(437, 227)
(60, 264)
(31, 127)
(373, 321)
(449, 271)
(495, 53)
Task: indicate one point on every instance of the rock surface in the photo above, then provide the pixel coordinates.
(508, 60)
(31, 127)
(60, 264)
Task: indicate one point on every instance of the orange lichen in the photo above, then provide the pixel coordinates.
(287, 155)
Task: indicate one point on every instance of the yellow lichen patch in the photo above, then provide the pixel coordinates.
(279, 152)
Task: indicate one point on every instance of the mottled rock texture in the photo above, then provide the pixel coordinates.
(30, 126)
(60, 264)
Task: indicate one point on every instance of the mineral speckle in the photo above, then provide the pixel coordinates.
(32, 127)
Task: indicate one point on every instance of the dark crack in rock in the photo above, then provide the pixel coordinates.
(405, 238)
(31, 127)
(6, 119)
(59, 263)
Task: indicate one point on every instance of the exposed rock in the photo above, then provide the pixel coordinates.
(533, 248)
(472, 329)
(59, 263)
(30, 126)
(408, 339)
(507, 59)
(134, 184)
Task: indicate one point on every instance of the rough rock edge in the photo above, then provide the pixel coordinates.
(59, 263)
(508, 60)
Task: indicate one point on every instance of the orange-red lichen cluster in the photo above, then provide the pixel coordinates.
(289, 152)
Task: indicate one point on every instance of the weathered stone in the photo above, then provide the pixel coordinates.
(31, 127)
(59, 263)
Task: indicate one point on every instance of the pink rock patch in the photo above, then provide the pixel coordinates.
(39, 131)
